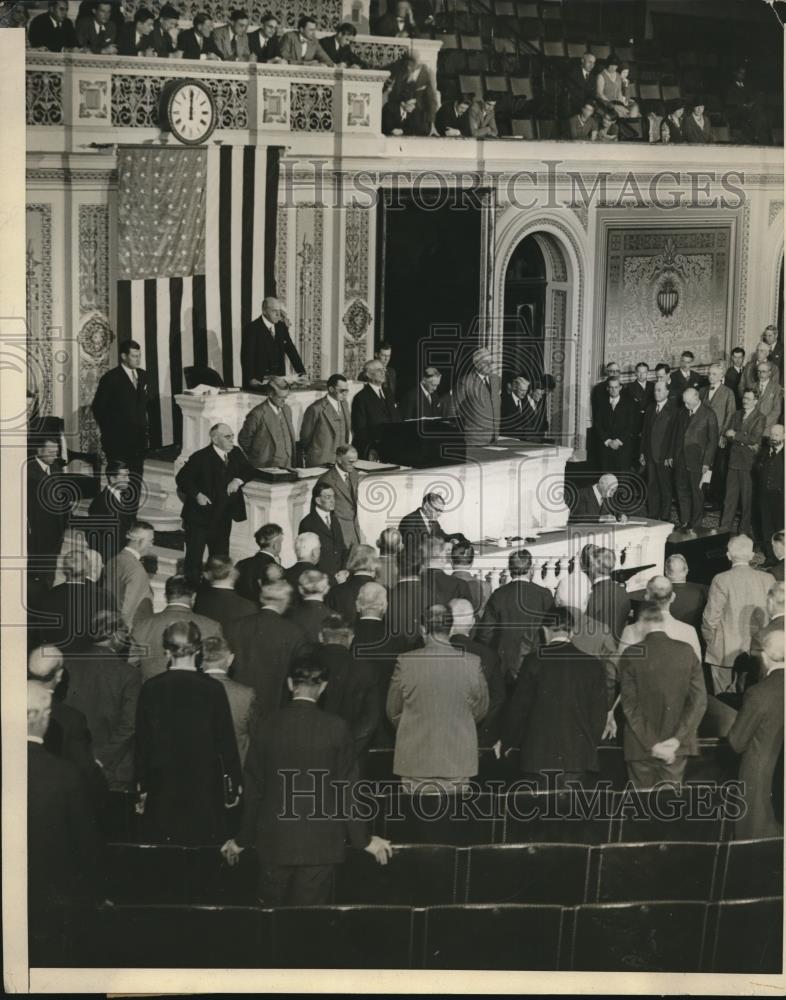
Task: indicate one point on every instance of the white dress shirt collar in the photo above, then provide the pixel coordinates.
(47, 469)
(334, 403)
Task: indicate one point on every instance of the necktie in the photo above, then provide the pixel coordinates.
(234, 47)
(772, 453)
(134, 378)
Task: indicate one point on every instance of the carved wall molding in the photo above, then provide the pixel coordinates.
(775, 209)
(582, 214)
(68, 175)
(44, 98)
(381, 55)
(282, 252)
(326, 12)
(39, 304)
(356, 255)
(94, 258)
(93, 99)
(95, 340)
(742, 273)
(357, 319)
(359, 110)
(309, 271)
(136, 99)
(311, 107)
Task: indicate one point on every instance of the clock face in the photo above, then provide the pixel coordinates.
(191, 112)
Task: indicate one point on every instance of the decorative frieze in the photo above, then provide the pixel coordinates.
(311, 107)
(39, 304)
(44, 98)
(136, 101)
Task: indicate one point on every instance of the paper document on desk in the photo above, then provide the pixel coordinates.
(202, 390)
(493, 447)
(318, 470)
(705, 478)
(363, 465)
(276, 472)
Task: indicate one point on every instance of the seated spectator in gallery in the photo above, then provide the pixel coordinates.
(735, 373)
(301, 47)
(612, 89)
(105, 688)
(608, 131)
(231, 40)
(452, 119)
(671, 126)
(401, 118)
(482, 118)
(187, 764)
(583, 124)
(689, 598)
(745, 112)
(265, 42)
(757, 734)
(116, 15)
(97, 32)
(197, 42)
(218, 599)
(135, 38)
(696, 126)
(166, 23)
(399, 22)
(310, 612)
(409, 77)
(53, 31)
(578, 85)
(338, 47)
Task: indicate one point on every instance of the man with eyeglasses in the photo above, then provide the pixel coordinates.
(326, 424)
(769, 393)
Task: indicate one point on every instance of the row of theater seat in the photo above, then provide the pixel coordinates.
(437, 875)
(729, 937)
(521, 817)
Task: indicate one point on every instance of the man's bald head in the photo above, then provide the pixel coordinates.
(39, 706)
(776, 434)
(740, 549)
(677, 568)
(660, 590)
(463, 616)
(45, 664)
(772, 651)
(607, 485)
(775, 599)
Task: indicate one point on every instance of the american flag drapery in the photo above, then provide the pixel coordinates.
(196, 243)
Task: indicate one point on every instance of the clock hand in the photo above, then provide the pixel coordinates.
(191, 107)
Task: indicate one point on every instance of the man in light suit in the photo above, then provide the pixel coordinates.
(655, 443)
(770, 395)
(734, 613)
(723, 403)
(437, 696)
(147, 636)
(301, 48)
(217, 658)
(211, 482)
(267, 435)
(231, 40)
(664, 699)
(326, 424)
(372, 407)
(479, 397)
(126, 577)
(691, 455)
(345, 482)
(744, 435)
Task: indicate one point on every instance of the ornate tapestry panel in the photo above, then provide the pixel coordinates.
(667, 291)
(327, 13)
(309, 269)
(39, 304)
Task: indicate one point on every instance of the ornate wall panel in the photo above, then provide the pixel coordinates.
(39, 304)
(282, 252)
(555, 362)
(309, 271)
(326, 12)
(44, 98)
(311, 107)
(357, 317)
(381, 55)
(667, 291)
(135, 101)
(95, 334)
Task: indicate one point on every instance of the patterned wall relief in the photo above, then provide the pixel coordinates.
(282, 252)
(356, 320)
(647, 269)
(44, 98)
(556, 360)
(381, 55)
(39, 304)
(357, 317)
(326, 12)
(309, 267)
(311, 107)
(136, 99)
(95, 335)
(775, 209)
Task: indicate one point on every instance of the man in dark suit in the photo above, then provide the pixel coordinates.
(757, 734)
(452, 118)
(111, 511)
(685, 377)
(440, 587)
(212, 481)
(63, 846)
(689, 598)
(310, 611)
(298, 854)
(265, 42)
(68, 609)
(461, 637)
(462, 556)
(422, 401)
(772, 338)
(769, 483)
(735, 373)
(599, 393)
(361, 566)
(197, 42)
(405, 602)
(282, 641)
(217, 659)
(326, 424)
(615, 425)
(53, 30)
(135, 38)
(327, 527)
(479, 398)
(253, 572)
(353, 692)
(422, 525)
(372, 407)
(608, 603)
(595, 503)
(398, 23)
(656, 435)
(97, 32)
(691, 455)
(344, 479)
(266, 345)
(744, 435)
(558, 711)
(339, 47)
(104, 687)
(161, 35)
(641, 392)
(514, 613)
(514, 413)
(45, 522)
(187, 764)
(401, 117)
(307, 551)
(579, 87)
(218, 599)
(664, 699)
(120, 409)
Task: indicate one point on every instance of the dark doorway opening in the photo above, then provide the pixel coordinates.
(428, 279)
(524, 319)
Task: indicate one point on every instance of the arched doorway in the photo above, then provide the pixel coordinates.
(534, 342)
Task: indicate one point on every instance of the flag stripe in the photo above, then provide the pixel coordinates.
(271, 217)
(212, 293)
(200, 320)
(123, 311)
(176, 350)
(187, 323)
(225, 259)
(248, 222)
(236, 249)
(257, 279)
(150, 318)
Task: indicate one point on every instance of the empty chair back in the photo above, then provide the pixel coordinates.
(493, 937)
(752, 868)
(632, 872)
(748, 936)
(527, 873)
(335, 937)
(416, 875)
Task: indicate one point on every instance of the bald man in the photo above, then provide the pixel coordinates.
(266, 346)
(212, 481)
(479, 397)
(659, 591)
(595, 503)
(692, 453)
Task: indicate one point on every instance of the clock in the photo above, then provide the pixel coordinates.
(188, 111)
